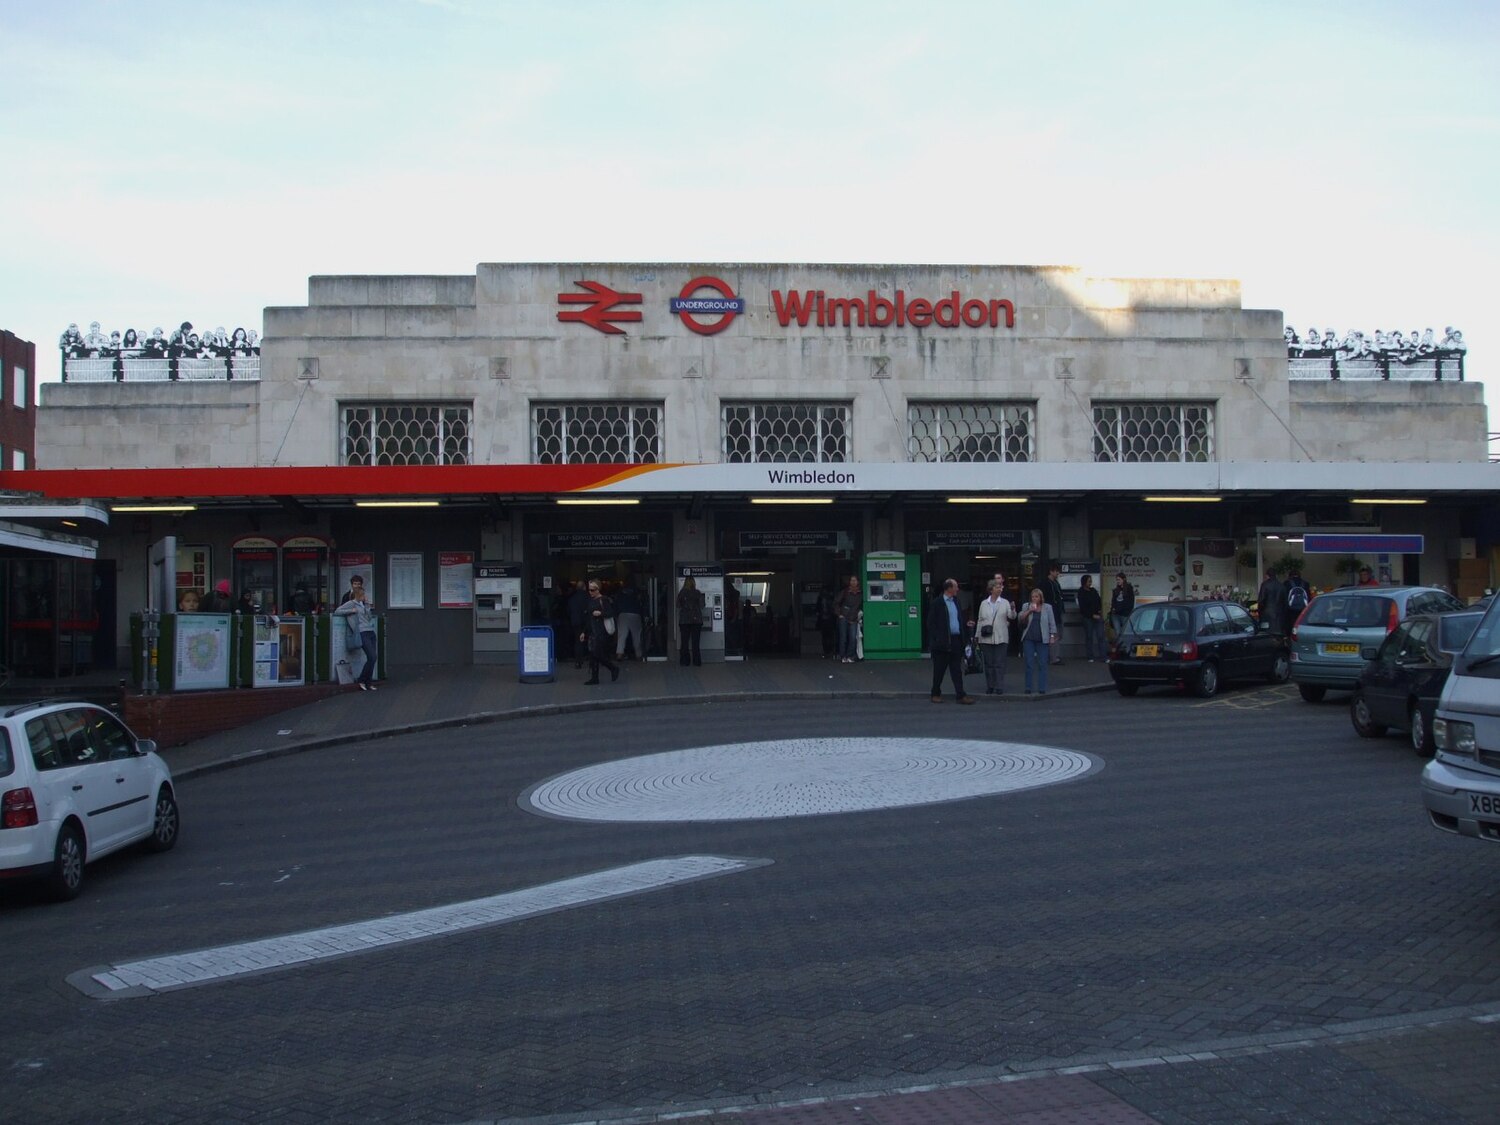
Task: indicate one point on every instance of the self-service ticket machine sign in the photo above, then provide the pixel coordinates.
(892, 606)
(497, 612)
(709, 578)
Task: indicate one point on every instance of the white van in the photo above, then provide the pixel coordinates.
(1461, 785)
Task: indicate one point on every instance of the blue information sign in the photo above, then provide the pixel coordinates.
(1363, 544)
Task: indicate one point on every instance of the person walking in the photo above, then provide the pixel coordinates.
(1038, 632)
(945, 639)
(1121, 603)
(689, 622)
(992, 635)
(631, 621)
(1268, 601)
(359, 617)
(599, 634)
(1091, 609)
(847, 607)
(1052, 594)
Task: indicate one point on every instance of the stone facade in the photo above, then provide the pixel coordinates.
(494, 342)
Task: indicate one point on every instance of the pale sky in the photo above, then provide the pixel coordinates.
(199, 161)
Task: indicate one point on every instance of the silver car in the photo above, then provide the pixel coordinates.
(1461, 785)
(1342, 629)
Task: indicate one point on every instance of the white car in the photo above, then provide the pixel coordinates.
(1461, 785)
(75, 785)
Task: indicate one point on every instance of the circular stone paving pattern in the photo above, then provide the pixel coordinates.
(800, 777)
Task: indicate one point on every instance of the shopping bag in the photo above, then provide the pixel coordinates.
(345, 672)
(609, 626)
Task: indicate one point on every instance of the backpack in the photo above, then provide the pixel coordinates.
(1296, 599)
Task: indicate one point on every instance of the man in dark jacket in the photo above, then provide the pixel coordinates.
(1121, 603)
(1091, 609)
(1052, 594)
(945, 640)
(1268, 601)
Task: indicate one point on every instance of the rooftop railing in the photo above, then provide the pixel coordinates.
(161, 369)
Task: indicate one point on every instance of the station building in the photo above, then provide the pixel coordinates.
(474, 444)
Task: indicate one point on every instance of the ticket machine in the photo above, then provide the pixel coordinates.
(497, 612)
(893, 606)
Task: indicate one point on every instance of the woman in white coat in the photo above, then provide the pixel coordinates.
(992, 634)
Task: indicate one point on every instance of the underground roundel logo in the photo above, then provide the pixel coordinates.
(722, 302)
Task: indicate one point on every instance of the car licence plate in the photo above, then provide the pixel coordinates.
(1349, 648)
(1148, 650)
(1484, 805)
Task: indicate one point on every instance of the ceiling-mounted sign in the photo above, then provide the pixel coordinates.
(632, 541)
(975, 538)
(774, 540)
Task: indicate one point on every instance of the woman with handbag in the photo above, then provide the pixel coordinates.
(599, 634)
(993, 636)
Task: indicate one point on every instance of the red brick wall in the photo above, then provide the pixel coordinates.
(179, 717)
(17, 426)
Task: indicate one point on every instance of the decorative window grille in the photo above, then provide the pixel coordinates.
(1154, 431)
(601, 433)
(407, 434)
(955, 431)
(785, 432)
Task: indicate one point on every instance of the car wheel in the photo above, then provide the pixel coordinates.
(66, 879)
(1206, 682)
(1126, 689)
(1421, 733)
(1312, 693)
(1359, 715)
(165, 824)
(1281, 668)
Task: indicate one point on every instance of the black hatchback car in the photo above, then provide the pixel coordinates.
(1196, 644)
(1400, 687)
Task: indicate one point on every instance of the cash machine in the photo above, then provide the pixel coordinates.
(497, 612)
(893, 606)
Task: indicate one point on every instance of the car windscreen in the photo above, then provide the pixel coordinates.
(1455, 629)
(1172, 619)
(1481, 656)
(1349, 611)
(7, 759)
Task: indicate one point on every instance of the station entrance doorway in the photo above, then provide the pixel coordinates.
(559, 566)
(778, 601)
(974, 558)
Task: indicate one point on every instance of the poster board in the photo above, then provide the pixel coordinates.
(201, 648)
(455, 579)
(404, 575)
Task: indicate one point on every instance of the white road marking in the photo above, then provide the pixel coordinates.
(801, 777)
(210, 966)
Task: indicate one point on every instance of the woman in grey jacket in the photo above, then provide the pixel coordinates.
(359, 615)
(1038, 631)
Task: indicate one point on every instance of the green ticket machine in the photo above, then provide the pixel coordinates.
(893, 606)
